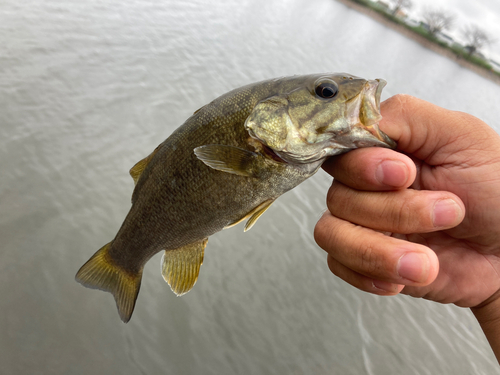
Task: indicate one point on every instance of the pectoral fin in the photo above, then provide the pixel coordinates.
(139, 167)
(252, 216)
(180, 267)
(230, 159)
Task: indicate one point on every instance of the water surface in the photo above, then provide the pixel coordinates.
(89, 88)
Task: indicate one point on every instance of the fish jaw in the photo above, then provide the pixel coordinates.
(308, 133)
(364, 116)
(370, 112)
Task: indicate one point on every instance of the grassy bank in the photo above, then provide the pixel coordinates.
(457, 52)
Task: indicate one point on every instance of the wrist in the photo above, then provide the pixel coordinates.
(489, 310)
(488, 316)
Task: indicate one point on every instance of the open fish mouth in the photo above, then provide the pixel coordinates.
(308, 133)
(369, 110)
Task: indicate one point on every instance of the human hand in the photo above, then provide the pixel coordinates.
(439, 199)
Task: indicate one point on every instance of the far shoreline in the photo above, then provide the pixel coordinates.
(422, 41)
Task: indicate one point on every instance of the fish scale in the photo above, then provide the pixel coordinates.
(228, 162)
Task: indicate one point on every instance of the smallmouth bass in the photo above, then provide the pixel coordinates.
(229, 162)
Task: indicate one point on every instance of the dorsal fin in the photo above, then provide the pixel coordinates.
(139, 167)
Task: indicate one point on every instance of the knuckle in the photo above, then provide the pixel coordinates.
(401, 104)
(336, 197)
(398, 101)
(410, 215)
(330, 195)
(324, 235)
(402, 98)
(368, 262)
(332, 265)
(402, 218)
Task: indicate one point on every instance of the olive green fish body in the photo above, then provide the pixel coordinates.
(179, 200)
(229, 161)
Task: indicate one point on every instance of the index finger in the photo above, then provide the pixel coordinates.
(423, 130)
(372, 169)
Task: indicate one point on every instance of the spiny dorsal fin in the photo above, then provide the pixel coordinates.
(252, 216)
(139, 167)
(199, 109)
(101, 273)
(180, 267)
(230, 159)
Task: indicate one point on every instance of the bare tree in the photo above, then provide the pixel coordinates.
(400, 5)
(438, 20)
(476, 38)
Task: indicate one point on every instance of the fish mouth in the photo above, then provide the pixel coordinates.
(369, 111)
(350, 123)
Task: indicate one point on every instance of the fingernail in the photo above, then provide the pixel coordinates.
(392, 173)
(385, 286)
(414, 267)
(445, 213)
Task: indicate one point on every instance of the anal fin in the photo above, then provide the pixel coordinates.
(180, 267)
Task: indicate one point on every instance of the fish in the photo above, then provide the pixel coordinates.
(226, 164)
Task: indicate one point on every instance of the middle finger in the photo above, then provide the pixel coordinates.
(404, 211)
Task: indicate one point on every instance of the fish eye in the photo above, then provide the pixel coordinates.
(326, 89)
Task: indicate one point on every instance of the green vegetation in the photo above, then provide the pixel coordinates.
(459, 51)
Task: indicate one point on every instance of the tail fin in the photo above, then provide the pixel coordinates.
(101, 273)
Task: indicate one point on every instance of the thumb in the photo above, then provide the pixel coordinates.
(432, 133)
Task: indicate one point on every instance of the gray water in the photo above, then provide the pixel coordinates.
(88, 88)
